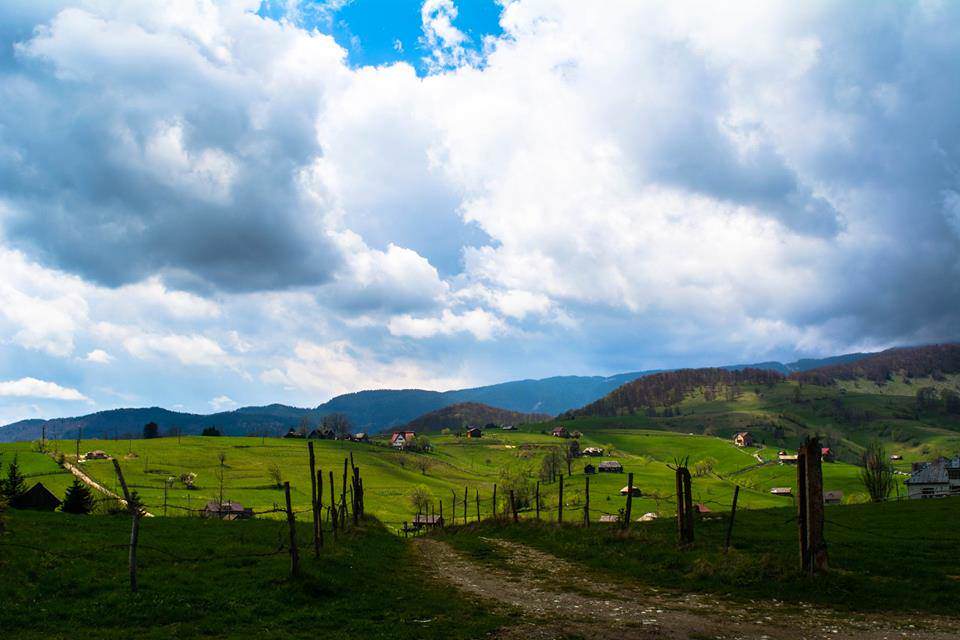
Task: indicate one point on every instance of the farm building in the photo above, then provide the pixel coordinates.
(832, 497)
(786, 458)
(226, 511)
(96, 455)
(402, 439)
(360, 437)
(38, 497)
(593, 451)
(422, 520)
(650, 516)
(896, 456)
(743, 439)
(589, 469)
(293, 433)
(826, 454)
(474, 432)
(609, 519)
(702, 509)
(782, 491)
(636, 491)
(508, 427)
(325, 434)
(610, 466)
(937, 479)
(560, 432)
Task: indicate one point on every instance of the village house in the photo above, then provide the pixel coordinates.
(609, 519)
(360, 437)
(826, 454)
(610, 466)
(650, 516)
(38, 497)
(226, 511)
(636, 491)
(832, 497)
(324, 434)
(96, 455)
(293, 433)
(474, 432)
(402, 439)
(782, 491)
(560, 432)
(701, 509)
(743, 439)
(589, 469)
(593, 451)
(937, 479)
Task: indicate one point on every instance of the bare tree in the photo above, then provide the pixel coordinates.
(877, 473)
(551, 465)
(339, 423)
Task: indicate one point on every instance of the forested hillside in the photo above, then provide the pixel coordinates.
(465, 414)
(933, 361)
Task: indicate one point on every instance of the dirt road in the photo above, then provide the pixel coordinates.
(554, 599)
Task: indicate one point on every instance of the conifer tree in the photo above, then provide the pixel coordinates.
(78, 499)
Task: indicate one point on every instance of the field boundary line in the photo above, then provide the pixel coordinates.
(93, 484)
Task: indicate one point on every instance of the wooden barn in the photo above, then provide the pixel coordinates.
(743, 439)
(38, 497)
(474, 432)
(610, 466)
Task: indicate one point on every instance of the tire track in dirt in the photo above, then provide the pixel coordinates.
(551, 598)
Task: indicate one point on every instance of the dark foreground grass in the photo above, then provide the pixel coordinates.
(64, 576)
(897, 556)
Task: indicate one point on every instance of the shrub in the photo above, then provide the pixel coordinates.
(78, 499)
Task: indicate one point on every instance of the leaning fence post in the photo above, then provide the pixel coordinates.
(465, 505)
(134, 526)
(292, 525)
(313, 500)
(513, 507)
(441, 514)
(320, 505)
(333, 508)
(494, 501)
(733, 514)
(478, 504)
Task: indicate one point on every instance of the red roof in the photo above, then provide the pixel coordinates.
(824, 452)
(407, 435)
(702, 508)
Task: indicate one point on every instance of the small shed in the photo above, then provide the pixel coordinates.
(787, 458)
(96, 454)
(610, 466)
(38, 497)
(508, 427)
(743, 439)
(474, 432)
(609, 519)
(429, 521)
(360, 437)
(782, 491)
(292, 433)
(227, 511)
(560, 432)
(589, 469)
(896, 456)
(636, 491)
(832, 497)
(650, 516)
(593, 452)
(702, 509)
(826, 454)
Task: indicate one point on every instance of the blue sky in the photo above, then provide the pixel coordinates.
(379, 32)
(218, 203)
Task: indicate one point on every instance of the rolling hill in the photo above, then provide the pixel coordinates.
(457, 416)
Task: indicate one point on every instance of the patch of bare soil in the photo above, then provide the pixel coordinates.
(552, 599)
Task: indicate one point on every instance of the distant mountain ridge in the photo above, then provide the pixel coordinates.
(374, 410)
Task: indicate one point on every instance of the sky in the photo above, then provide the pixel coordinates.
(209, 204)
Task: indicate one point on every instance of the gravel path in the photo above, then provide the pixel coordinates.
(554, 599)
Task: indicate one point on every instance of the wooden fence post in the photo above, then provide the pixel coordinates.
(343, 497)
(586, 504)
(810, 516)
(560, 502)
(629, 509)
(465, 503)
(494, 501)
(292, 525)
(733, 514)
(441, 514)
(688, 504)
(537, 500)
(478, 504)
(333, 507)
(320, 505)
(513, 507)
(684, 506)
(134, 510)
(313, 500)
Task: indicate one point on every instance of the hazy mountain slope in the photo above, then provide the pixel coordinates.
(373, 410)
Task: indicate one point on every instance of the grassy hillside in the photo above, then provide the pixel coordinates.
(65, 576)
